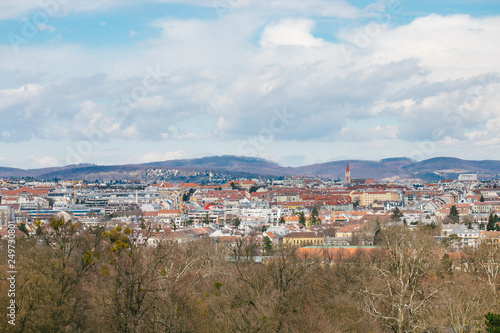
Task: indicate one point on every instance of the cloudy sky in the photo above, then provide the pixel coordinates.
(294, 81)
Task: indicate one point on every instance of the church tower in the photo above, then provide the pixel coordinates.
(347, 174)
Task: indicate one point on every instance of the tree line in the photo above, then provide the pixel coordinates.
(101, 281)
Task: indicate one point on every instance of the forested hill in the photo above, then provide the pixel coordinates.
(391, 169)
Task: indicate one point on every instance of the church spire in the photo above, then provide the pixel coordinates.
(347, 174)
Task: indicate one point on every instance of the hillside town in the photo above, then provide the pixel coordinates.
(307, 212)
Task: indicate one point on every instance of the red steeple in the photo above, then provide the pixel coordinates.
(347, 174)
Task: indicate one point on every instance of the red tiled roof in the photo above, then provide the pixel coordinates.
(28, 190)
(169, 211)
(351, 228)
(189, 185)
(335, 253)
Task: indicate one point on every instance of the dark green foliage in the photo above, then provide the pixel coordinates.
(454, 215)
(187, 196)
(314, 216)
(492, 220)
(254, 188)
(302, 218)
(396, 214)
(22, 227)
(236, 222)
(267, 245)
(492, 322)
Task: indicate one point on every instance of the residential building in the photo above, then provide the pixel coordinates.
(304, 238)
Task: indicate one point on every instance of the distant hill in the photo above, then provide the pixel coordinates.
(377, 170)
(389, 169)
(38, 173)
(227, 163)
(12, 172)
(448, 167)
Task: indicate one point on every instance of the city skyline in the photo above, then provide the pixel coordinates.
(118, 82)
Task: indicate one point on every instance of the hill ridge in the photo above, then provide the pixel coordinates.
(387, 169)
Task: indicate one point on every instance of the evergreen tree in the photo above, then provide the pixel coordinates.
(491, 223)
(314, 215)
(267, 245)
(492, 322)
(187, 196)
(254, 188)
(302, 218)
(236, 222)
(454, 214)
(22, 227)
(282, 220)
(396, 214)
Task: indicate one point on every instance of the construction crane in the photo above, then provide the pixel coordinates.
(75, 183)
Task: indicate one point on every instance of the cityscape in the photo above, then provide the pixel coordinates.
(298, 166)
(308, 225)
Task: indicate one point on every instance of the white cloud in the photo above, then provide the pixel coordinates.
(11, 97)
(227, 78)
(434, 41)
(156, 156)
(42, 162)
(290, 32)
(369, 134)
(152, 103)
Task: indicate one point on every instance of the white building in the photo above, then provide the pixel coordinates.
(467, 177)
(469, 237)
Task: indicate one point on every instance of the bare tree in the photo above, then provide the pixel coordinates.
(485, 263)
(461, 305)
(400, 286)
(54, 268)
(270, 294)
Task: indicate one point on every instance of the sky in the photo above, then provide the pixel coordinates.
(293, 81)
